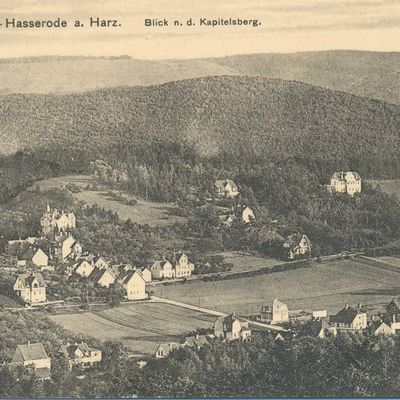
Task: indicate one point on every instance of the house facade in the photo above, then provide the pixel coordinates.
(34, 257)
(33, 355)
(231, 328)
(226, 188)
(352, 319)
(348, 182)
(54, 222)
(165, 349)
(296, 247)
(80, 354)
(135, 285)
(162, 270)
(83, 268)
(183, 267)
(102, 277)
(275, 313)
(65, 247)
(248, 215)
(31, 288)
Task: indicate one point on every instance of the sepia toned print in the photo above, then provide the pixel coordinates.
(199, 199)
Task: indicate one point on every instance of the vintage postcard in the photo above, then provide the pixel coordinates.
(199, 199)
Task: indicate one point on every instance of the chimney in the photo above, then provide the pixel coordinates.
(346, 306)
(394, 318)
(197, 335)
(29, 343)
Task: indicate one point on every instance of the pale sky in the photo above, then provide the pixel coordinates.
(286, 26)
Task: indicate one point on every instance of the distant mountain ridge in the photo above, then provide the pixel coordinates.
(245, 118)
(368, 74)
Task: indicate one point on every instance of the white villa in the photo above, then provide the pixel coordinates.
(345, 182)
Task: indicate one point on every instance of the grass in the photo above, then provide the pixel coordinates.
(141, 326)
(246, 260)
(143, 212)
(326, 285)
(395, 261)
(389, 186)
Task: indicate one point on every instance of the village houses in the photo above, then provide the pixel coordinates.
(31, 288)
(226, 188)
(183, 267)
(350, 319)
(66, 247)
(83, 268)
(164, 349)
(35, 356)
(80, 354)
(275, 313)
(162, 270)
(345, 182)
(103, 277)
(296, 247)
(231, 328)
(134, 285)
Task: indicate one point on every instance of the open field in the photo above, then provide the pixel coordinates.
(141, 326)
(395, 261)
(246, 260)
(143, 212)
(324, 285)
(389, 186)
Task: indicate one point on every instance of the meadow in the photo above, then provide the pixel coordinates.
(143, 212)
(324, 285)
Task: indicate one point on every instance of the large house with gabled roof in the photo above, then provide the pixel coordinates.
(350, 319)
(33, 355)
(232, 328)
(80, 354)
(348, 182)
(31, 288)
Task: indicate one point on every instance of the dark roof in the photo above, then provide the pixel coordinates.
(69, 350)
(313, 328)
(195, 341)
(346, 315)
(28, 279)
(29, 352)
(294, 240)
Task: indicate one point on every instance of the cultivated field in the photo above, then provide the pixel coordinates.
(326, 285)
(143, 212)
(140, 326)
(389, 186)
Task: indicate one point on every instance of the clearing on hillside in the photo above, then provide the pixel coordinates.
(142, 212)
(141, 326)
(324, 285)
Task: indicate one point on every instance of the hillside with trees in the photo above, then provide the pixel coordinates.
(363, 73)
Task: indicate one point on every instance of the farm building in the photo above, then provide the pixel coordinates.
(34, 257)
(381, 328)
(319, 328)
(247, 214)
(31, 288)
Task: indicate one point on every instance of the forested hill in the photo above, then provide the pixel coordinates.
(244, 118)
(363, 73)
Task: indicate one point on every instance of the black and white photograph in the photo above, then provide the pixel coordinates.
(199, 199)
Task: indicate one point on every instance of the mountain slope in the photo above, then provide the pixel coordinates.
(245, 118)
(370, 74)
